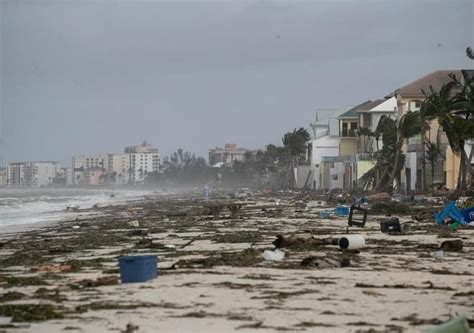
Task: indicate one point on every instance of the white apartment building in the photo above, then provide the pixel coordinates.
(143, 159)
(69, 175)
(119, 168)
(3, 177)
(32, 174)
(87, 162)
(143, 164)
(82, 163)
(324, 143)
(144, 148)
(16, 174)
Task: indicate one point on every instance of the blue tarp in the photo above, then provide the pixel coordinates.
(451, 211)
(468, 214)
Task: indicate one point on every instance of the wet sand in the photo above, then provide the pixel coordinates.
(213, 278)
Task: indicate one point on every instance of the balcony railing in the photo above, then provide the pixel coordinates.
(348, 133)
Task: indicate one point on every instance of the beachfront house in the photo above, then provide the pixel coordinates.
(410, 98)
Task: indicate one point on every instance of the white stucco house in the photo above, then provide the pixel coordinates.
(324, 142)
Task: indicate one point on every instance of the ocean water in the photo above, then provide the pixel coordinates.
(21, 207)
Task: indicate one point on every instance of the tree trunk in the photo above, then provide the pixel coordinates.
(459, 185)
(395, 165)
(432, 176)
(379, 184)
(465, 169)
(469, 167)
(423, 157)
(462, 175)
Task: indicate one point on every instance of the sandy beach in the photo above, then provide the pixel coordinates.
(64, 277)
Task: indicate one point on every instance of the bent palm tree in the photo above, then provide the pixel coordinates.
(453, 107)
(295, 144)
(433, 153)
(386, 130)
(407, 126)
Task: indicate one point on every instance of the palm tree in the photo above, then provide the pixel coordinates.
(407, 126)
(386, 130)
(295, 144)
(453, 107)
(433, 153)
(469, 53)
(363, 133)
(464, 109)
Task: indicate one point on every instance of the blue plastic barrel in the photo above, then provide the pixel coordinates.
(341, 211)
(138, 268)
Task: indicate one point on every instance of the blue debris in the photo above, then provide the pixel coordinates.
(341, 211)
(468, 214)
(451, 211)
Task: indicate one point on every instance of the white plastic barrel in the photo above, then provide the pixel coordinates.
(351, 242)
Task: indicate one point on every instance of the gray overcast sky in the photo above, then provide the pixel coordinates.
(94, 76)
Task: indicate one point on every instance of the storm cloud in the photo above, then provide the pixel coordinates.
(94, 76)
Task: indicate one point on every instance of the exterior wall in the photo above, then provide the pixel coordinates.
(144, 148)
(32, 174)
(3, 178)
(451, 168)
(332, 175)
(409, 182)
(118, 167)
(93, 176)
(304, 176)
(143, 164)
(16, 175)
(228, 155)
(93, 161)
(79, 161)
(348, 146)
(69, 176)
(43, 173)
(362, 167)
(326, 146)
(78, 177)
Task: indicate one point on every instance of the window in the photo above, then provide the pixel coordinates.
(353, 126)
(344, 129)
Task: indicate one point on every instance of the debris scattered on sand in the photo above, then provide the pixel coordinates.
(63, 273)
(276, 255)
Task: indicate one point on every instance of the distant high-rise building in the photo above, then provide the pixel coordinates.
(3, 177)
(94, 176)
(118, 171)
(143, 159)
(82, 163)
(229, 154)
(94, 161)
(144, 148)
(32, 174)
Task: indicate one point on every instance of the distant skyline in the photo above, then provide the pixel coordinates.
(83, 77)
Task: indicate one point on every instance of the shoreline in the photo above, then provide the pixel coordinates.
(212, 276)
(87, 200)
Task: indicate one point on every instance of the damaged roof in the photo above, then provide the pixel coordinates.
(352, 113)
(435, 79)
